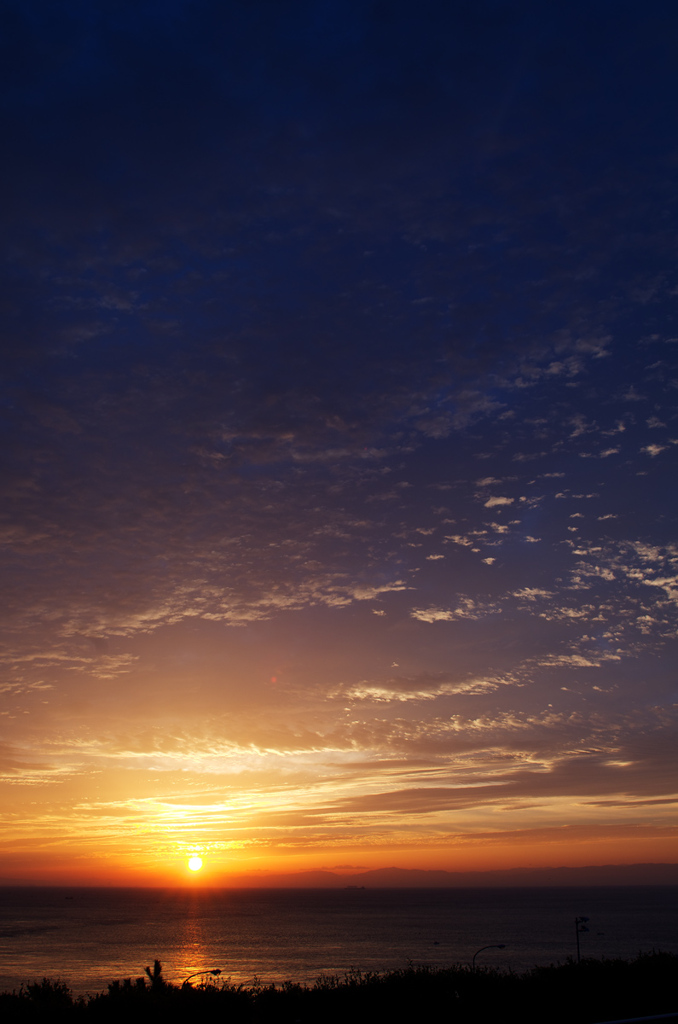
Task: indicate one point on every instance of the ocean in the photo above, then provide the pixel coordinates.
(89, 937)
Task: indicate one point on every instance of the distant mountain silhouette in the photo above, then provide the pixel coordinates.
(406, 878)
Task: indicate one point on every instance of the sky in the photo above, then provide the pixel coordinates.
(339, 370)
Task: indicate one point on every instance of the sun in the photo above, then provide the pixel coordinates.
(195, 863)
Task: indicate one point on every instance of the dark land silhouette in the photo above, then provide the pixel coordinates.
(585, 992)
(412, 878)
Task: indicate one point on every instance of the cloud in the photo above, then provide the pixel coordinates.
(492, 502)
(604, 454)
(423, 687)
(457, 538)
(466, 608)
(570, 660)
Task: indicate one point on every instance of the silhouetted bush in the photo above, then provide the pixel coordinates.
(593, 990)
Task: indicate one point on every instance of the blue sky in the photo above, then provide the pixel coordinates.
(339, 377)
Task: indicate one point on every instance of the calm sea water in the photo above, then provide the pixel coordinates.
(88, 937)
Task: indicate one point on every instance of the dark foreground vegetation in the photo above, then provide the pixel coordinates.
(593, 990)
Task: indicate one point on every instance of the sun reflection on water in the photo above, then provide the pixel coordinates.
(194, 952)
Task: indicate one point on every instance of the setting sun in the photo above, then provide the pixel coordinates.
(195, 863)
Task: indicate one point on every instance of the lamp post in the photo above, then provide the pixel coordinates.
(210, 970)
(579, 927)
(473, 961)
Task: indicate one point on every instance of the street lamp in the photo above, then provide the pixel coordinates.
(473, 961)
(210, 970)
(579, 927)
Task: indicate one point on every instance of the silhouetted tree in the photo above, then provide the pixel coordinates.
(157, 980)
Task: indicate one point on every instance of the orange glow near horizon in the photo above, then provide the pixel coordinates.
(142, 806)
(76, 860)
